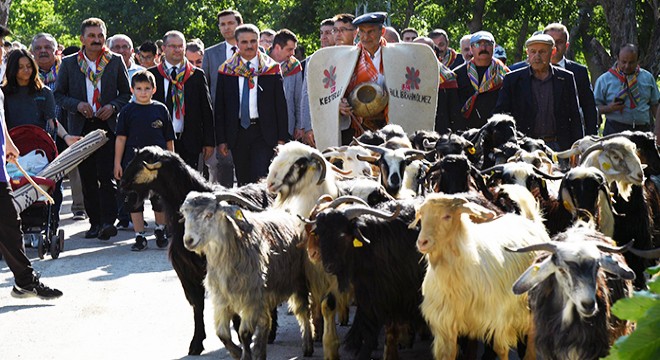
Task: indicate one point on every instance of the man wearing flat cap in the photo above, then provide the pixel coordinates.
(479, 82)
(369, 68)
(543, 97)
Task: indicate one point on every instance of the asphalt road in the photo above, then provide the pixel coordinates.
(119, 304)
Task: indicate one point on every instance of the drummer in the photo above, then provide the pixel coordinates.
(369, 68)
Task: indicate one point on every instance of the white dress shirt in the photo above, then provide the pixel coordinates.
(177, 122)
(254, 110)
(88, 83)
(229, 52)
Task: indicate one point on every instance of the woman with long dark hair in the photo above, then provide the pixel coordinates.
(27, 100)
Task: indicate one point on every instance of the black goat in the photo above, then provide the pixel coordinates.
(166, 174)
(570, 297)
(375, 252)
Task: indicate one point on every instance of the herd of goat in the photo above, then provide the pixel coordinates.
(484, 236)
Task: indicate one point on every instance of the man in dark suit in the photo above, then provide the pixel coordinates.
(250, 107)
(183, 89)
(580, 72)
(221, 168)
(542, 97)
(92, 86)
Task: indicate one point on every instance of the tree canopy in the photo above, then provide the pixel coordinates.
(597, 27)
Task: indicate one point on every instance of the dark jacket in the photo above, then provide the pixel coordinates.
(273, 118)
(198, 121)
(484, 105)
(585, 93)
(516, 98)
(70, 90)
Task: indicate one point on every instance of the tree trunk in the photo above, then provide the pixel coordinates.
(410, 11)
(518, 53)
(4, 11)
(476, 23)
(620, 16)
(652, 54)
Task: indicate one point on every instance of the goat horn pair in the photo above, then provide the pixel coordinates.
(546, 175)
(324, 169)
(429, 145)
(548, 246)
(595, 147)
(616, 249)
(241, 201)
(646, 254)
(355, 211)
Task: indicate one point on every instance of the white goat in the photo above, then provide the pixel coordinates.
(617, 159)
(467, 284)
(253, 264)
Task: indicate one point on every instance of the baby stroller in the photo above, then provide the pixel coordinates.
(39, 222)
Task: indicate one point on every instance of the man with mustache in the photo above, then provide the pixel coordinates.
(250, 107)
(92, 86)
(479, 82)
(448, 56)
(542, 97)
(221, 167)
(627, 95)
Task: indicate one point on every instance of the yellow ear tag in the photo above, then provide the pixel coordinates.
(472, 150)
(606, 166)
(567, 205)
(239, 215)
(536, 268)
(357, 243)
(555, 158)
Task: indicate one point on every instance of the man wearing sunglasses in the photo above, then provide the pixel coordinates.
(479, 82)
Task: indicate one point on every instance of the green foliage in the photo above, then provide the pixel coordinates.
(644, 309)
(26, 16)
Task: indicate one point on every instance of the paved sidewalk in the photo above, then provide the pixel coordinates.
(117, 304)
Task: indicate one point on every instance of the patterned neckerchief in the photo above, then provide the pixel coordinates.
(629, 85)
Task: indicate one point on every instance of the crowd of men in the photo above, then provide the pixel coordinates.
(233, 102)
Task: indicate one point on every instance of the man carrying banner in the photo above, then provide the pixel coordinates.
(369, 69)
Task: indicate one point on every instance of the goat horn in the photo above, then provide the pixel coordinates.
(428, 145)
(360, 236)
(546, 175)
(595, 147)
(306, 220)
(331, 154)
(496, 168)
(536, 247)
(435, 167)
(340, 171)
(355, 211)
(323, 199)
(241, 201)
(152, 166)
(646, 254)
(373, 148)
(324, 169)
(611, 136)
(369, 159)
(347, 199)
(617, 249)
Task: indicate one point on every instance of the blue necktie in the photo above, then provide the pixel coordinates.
(245, 102)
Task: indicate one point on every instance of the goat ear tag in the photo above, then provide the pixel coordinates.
(568, 206)
(239, 215)
(472, 150)
(606, 166)
(357, 243)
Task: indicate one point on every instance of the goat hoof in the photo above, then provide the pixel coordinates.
(195, 348)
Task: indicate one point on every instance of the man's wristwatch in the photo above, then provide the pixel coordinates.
(114, 108)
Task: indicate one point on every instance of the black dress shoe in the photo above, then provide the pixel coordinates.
(107, 231)
(93, 232)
